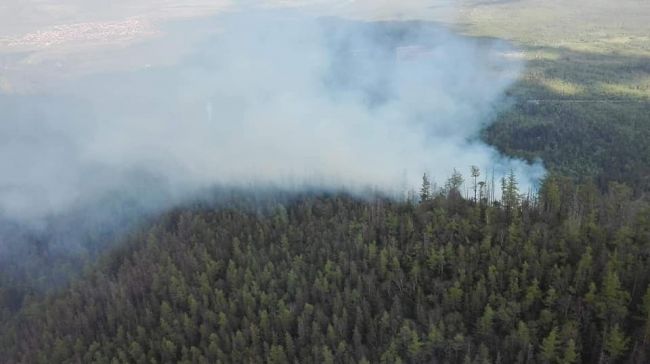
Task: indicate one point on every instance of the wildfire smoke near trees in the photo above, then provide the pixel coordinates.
(560, 277)
(327, 182)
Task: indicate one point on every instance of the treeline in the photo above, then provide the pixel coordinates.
(560, 278)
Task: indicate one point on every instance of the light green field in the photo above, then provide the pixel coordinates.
(583, 101)
(577, 48)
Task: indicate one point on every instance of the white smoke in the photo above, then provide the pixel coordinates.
(278, 98)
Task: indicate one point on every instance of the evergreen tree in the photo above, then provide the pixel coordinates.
(425, 190)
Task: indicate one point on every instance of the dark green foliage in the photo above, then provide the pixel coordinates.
(597, 135)
(341, 280)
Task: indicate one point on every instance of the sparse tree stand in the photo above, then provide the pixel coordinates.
(481, 191)
(452, 187)
(510, 194)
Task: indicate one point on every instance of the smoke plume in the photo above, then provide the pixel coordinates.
(270, 98)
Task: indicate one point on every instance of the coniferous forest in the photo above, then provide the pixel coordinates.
(160, 198)
(560, 277)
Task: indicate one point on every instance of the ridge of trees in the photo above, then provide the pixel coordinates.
(561, 276)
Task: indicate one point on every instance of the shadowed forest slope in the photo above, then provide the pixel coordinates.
(586, 115)
(583, 101)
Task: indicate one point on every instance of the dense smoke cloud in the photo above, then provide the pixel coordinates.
(272, 98)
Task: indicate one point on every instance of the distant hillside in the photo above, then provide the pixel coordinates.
(583, 102)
